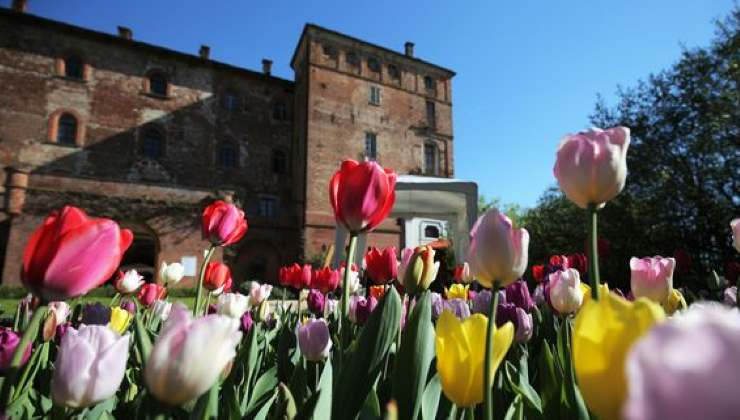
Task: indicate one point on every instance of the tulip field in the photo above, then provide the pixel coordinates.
(371, 340)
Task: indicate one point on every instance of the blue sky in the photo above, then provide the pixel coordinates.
(527, 71)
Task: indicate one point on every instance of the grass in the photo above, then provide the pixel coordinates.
(8, 306)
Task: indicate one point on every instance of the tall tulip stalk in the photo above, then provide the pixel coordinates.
(591, 169)
(362, 196)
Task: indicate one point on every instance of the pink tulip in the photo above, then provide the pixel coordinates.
(9, 341)
(564, 291)
(223, 223)
(735, 225)
(591, 166)
(497, 252)
(362, 195)
(71, 254)
(258, 293)
(89, 366)
(652, 277)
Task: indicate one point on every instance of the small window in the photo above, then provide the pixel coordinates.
(329, 51)
(227, 156)
(153, 144)
(158, 84)
(279, 162)
(371, 150)
(431, 114)
(352, 59)
(431, 232)
(394, 73)
(373, 64)
(73, 68)
(268, 207)
(374, 95)
(67, 130)
(429, 83)
(430, 159)
(230, 100)
(279, 111)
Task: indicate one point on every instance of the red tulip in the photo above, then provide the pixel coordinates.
(382, 267)
(560, 260)
(579, 262)
(362, 195)
(217, 275)
(296, 276)
(538, 272)
(150, 292)
(223, 223)
(683, 261)
(70, 254)
(377, 292)
(325, 279)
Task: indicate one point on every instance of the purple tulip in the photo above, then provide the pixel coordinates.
(459, 307)
(518, 294)
(730, 296)
(539, 294)
(686, 367)
(482, 301)
(506, 312)
(9, 341)
(95, 314)
(247, 322)
(524, 326)
(437, 305)
(314, 340)
(360, 308)
(129, 305)
(89, 366)
(315, 302)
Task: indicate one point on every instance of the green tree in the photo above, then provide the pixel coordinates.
(684, 167)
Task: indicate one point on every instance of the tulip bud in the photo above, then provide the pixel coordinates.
(232, 304)
(102, 352)
(538, 273)
(652, 277)
(462, 273)
(360, 308)
(524, 326)
(591, 167)
(223, 223)
(315, 302)
(382, 267)
(497, 252)
(119, 320)
(735, 225)
(216, 276)
(314, 340)
(150, 292)
(189, 355)
(565, 292)
(362, 195)
(161, 309)
(325, 279)
(457, 291)
(9, 341)
(60, 310)
(421, 271)
(128, 282)
(247, 322)
(258, 293)
(128, 305)
(170, 274)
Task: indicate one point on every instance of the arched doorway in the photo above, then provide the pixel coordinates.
(256, 260)
(142, 254)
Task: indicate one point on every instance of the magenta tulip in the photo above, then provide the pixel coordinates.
(70, 254)
(223, 223)
(652, 277)
(9, 341)
(362, 195)
(591, 166)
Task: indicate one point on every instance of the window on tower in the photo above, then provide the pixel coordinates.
(374, 95)
(371, 146)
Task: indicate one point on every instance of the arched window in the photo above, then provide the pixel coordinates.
(158, 84)
(67, 130)
(73, 67)
(153, 144)
(227, 156)
(279, 162)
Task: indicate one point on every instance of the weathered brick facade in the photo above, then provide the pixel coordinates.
(148, 136)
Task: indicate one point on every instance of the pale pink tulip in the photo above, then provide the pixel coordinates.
(498, 252)
(652, 277)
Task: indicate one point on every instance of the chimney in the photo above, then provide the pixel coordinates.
(205, 52)
(409, 47)
(20, 6)
(125, 32)
(266, 66)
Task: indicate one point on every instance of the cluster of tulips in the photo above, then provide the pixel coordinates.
(370, 340)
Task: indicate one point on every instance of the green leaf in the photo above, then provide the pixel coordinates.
(323, 406)
(207, 405)
(516, 409)
(520, 384)
(414, 359)
(549, 382)
(264, 387)
(371, 408)
(265, 410)
(143, 341)
(430, 399)
(359, 372)
(284, 407)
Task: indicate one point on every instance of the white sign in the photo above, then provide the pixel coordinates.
(190, 264)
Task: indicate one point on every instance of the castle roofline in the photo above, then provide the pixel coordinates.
(106, 37)
(403, 57)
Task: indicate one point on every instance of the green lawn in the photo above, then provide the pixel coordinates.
(8, 306)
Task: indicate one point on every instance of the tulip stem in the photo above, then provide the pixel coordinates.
(201, 276)
(347, 274)
(28, 336)
(487, 379)
(593, 258)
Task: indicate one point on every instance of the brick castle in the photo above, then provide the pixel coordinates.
(149, 136)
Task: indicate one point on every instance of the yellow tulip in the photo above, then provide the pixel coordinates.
(457, 291)
(461, 352)
(603, 334)
(119, 320)
(674, 302)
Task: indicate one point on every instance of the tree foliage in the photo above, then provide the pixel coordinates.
(684, 167)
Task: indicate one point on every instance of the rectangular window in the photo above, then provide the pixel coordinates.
(279, 111)
(371, 151)
(431, 114)
(430, 159)
(374, 95)
(268, 207)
